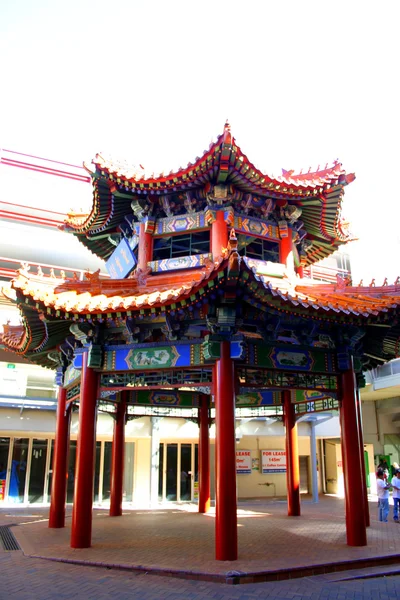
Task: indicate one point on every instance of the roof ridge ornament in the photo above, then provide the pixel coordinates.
(227, 135)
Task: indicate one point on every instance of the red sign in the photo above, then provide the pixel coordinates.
(243, 461)
(273, 461)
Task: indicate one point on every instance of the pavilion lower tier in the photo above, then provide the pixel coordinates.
(225, 386)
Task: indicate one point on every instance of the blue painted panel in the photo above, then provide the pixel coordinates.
(78, 360)
(157, 357)
(121, 261)
(238, 349)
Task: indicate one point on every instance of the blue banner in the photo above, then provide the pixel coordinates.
(121, 261)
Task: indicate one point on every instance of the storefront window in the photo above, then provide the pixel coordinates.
(71, 471)
(172, 471)
(50, 478)
(160, 471)
(186, 471)
(16, 491)
(128, 471)
(107, 471)
(4, 449)
(97, 473)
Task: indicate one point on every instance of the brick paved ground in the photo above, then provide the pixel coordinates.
(177, 539)
(24, 578)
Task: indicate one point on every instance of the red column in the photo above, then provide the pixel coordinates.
(204, 457)
(225, 458)
(81, 529)
(362, 461)
(355, 506)
(285, 247)
(292, 456)
(219, 234)
(145, 254)
(60, 462)
(117, 459)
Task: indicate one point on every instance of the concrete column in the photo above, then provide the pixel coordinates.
(314, 470)
(154, 459)
(362, 460)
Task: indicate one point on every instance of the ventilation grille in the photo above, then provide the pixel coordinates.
(7, 538)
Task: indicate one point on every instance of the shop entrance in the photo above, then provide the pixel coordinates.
(24, 463)
(178, 470)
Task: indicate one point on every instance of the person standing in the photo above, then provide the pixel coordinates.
(383, 495)
(396, 495)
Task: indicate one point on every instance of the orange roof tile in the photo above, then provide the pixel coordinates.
(147, 291)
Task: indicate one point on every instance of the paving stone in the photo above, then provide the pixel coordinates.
(268, 540)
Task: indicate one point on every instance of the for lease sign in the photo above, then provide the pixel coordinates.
(273, 461)
(243, 461)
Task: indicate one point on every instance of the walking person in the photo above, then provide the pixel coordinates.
(396, 495)
(383, 495)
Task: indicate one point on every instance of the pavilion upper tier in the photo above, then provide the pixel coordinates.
(124, 195)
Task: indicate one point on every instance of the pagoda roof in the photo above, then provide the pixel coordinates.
(99, 296)
(34, 338)
(317, 192)
(49, 305)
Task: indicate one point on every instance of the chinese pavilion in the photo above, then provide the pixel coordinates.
(206, 308)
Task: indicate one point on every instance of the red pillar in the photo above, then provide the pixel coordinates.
(117, 459)
(145, 254)
(355, 506)
(285, 247)
(219, 234)
(292, 456)
(60, 462)
(225, 458)
(204, 457)
(81, 529)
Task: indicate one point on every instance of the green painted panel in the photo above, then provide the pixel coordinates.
(167, 398)
(291, 358)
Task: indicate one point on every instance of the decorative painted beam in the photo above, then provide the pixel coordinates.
(180, 223)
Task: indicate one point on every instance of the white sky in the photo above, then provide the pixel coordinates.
(301, 82)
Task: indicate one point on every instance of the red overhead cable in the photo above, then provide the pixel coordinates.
(29, 219)
(43, 169)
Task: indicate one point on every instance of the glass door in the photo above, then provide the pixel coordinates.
(50, 476)
(178, 464)
(172, 472)
(71, 471)
(106, 491)
(16, 490)
(161, 473)
(96, 483)
(186, 472)
(37, 470)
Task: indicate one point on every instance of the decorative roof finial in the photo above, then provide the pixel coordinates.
(227, 133)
